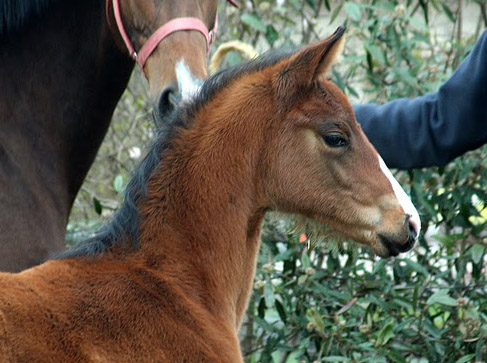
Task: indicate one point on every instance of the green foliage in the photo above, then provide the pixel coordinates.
(330, 306)
(322, 304)
(363, 309)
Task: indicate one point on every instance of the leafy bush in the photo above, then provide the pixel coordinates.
(320, 303)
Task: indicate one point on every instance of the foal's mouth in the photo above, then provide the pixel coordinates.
(394, 248)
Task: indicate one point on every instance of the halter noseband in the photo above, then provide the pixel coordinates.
(158, 36)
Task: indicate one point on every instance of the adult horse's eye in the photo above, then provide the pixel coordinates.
(335, 140)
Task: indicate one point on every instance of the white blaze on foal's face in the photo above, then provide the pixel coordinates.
(403, 198)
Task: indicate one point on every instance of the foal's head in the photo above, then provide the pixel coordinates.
(322, 164)
(186, 27)
(317, 161)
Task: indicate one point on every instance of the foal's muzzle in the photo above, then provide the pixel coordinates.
(402, 243)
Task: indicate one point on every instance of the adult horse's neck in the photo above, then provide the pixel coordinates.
(203, 215)
(61, 76)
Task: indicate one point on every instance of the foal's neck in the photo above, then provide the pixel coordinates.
(204, 214)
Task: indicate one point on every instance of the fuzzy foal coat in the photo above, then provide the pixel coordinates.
(64, 312)
(181, 294)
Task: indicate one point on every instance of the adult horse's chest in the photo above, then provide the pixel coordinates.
(56, 99)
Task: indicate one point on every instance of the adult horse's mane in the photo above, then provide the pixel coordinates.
(15, 13)
(125, 222)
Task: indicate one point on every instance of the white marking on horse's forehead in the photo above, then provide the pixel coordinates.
(187, 84)
(401, 195)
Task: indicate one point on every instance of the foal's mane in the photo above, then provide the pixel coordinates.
(125, 223)
(15, 13)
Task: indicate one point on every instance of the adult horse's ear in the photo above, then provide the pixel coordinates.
(309, 64)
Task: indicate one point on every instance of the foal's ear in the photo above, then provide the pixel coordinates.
(309, 64)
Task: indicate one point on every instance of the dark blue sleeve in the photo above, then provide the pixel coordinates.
(432, 130)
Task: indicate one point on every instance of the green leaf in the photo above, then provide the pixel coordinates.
(118, 183)
(448, 12)
(336, 11)
(269, 293)
(271, 35)
(296, 4)
(314, 317)
(335, 358)
(254, 22)
(419, 24)
(466, 358)
(97, 206)
(304, 344)
(261, 308)
(281, 311)
(305, 260)
(338, 79)
(312, 4)
(395, 357)
(441, 297)
(406, 76)
(447, 240)
(293, 357)
(302, 279)
(416, 266)
(379, 266)
(385, 334)
(352, 91)
(477, 251)
(424, 6)
(404, 303)
(353, 11)
(327, 5)
(435, 4)
(431, 329)
(376, 53)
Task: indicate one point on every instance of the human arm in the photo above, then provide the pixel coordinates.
(432, 130)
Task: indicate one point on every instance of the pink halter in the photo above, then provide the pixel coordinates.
(170, 27)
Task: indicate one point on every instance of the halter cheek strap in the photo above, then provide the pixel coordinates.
(170, 27)
(121, 28)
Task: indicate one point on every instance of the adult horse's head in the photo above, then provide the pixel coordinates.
(322, 165)
(170, 41)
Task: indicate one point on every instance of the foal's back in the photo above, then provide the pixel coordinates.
(82, 311)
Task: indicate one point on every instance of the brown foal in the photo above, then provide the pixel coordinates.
(168, 280)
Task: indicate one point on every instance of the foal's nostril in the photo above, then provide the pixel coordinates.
(411, 227)
(397, 243)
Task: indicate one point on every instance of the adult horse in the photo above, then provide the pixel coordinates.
(63, 67)
(168, 280)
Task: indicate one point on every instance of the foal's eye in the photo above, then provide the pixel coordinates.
(335, 140)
